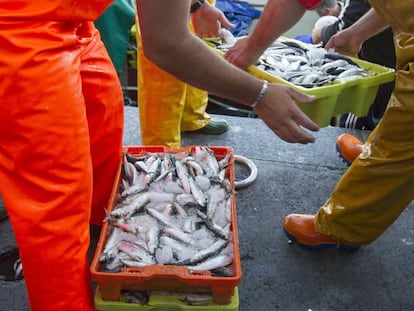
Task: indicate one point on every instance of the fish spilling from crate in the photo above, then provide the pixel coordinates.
(173, 208)
(307, 65)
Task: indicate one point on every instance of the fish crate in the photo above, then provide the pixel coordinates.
(164, 277)
(353, 95)
(163, 302)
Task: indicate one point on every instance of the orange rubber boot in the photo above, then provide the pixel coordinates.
(300, 229)
(349, 147)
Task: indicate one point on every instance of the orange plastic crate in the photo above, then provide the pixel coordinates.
(168, 277)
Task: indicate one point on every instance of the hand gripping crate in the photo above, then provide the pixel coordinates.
(353, 95)
(168, 278)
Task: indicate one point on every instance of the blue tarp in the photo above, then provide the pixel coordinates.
(239, 13)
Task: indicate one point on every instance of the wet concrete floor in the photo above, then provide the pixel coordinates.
(278, 275)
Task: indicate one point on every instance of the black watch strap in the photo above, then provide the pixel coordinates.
(198, 4)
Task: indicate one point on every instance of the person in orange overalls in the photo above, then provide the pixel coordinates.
(61, 123)
(378, 185)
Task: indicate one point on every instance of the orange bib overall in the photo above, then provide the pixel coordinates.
(61, 121)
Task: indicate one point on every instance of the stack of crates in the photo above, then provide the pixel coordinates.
(167, 278)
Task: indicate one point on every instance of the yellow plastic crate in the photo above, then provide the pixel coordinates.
(159, 302)
(354, 95)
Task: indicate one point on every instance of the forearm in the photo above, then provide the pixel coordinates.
(212, 73)
(278, 17)
(168, 42)
(367, 26)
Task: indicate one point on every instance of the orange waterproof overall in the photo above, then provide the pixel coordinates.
(379, 185)
(61, 121)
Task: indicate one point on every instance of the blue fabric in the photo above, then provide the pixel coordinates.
(239, 13)
(304, 38)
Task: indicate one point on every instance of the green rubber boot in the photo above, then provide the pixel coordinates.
(215, 127)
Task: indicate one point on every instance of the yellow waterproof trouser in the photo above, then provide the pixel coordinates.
(379, 184)
(167, 106)
(61, 120)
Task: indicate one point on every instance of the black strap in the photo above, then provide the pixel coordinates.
(198, 4)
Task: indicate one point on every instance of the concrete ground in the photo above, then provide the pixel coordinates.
(278, 275)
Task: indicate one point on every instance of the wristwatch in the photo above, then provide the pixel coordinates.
(198, 4)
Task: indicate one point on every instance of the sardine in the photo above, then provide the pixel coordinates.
(199, 196)
(163, 219)
(212, 263)
(183, 175)
(132, 208)
(211, 251)
(219, 231)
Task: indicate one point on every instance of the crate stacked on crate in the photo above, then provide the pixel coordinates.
(196, 274)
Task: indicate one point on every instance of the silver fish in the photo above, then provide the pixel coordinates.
(132, 208)
(213, 227)
(212, 263)
(155, 220)
(183, 175)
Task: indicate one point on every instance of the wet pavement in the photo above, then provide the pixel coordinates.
(275, 274)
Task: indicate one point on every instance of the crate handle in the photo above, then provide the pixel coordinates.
(159, 270)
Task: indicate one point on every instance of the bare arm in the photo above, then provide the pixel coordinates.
(277, 17)
(349, 41)
(168, 42)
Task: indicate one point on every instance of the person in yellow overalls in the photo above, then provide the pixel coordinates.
(378, 186)
(168, 106)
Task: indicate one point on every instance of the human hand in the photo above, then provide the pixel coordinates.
(344, 42)
(281, 114)
(241, 54)
(208, 20)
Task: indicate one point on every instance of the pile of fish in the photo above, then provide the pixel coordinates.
(307, 65)
(174, 208)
